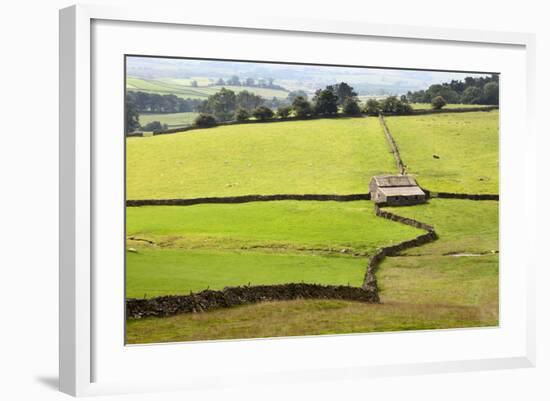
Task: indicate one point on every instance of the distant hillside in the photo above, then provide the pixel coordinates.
(183, 87)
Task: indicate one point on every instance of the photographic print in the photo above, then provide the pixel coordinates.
(271, 199)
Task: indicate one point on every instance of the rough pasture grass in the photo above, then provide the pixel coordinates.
(463, 226)
(467, 145)
(183, 89)
(196, 247)
(298, 318)
(173, 120)
(424, 106)
(318, 156)
(429, 275)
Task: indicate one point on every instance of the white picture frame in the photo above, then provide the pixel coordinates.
(79, 216)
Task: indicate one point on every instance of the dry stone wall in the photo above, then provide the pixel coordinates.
(234, 296)
(370, 283)
(454, 195)
(457, 110)
(247, 198)
(393, 146)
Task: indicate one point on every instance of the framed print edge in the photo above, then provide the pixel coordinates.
(75, 206)
(76, 364)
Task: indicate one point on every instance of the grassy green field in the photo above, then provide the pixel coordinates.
(425, 106)
(154, 273)
(425, 288)
(450, 283)
(466, 144)
(173, 120)
(318, 156)
(183, 89)
(191, 248)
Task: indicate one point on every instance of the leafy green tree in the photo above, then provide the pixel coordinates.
(393, 105)
(417, 97)
(262, 113)
(222, 104)
(294, 94)
(372, 107)
(205, 121)
(242, 115)
(390, 104)
(274, 103)
(445, 91)
(438, 102)
(404, 99)
(491, 93)
(302, 108)
(284, 111)
(194, 84)
(470, 91)
(325, 102)
(472, 95)
(403, 108)
(248, 100)
(343, 91)
(351, 107)
(132, 116)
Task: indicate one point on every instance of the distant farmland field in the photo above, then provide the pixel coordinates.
(450, 152)
(183, 89)
(336, 156)
(173, 120)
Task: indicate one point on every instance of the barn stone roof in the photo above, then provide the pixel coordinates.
(394, 181)
(401, 191)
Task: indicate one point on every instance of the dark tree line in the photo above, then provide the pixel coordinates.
(155, 103)
(328, 101)
(225, 105)
(132, 116)
(389, 105)
(482, 90)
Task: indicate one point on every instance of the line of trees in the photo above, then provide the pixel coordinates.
(225, 105)
(389, 105)
(482, 90)
(154, 103)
